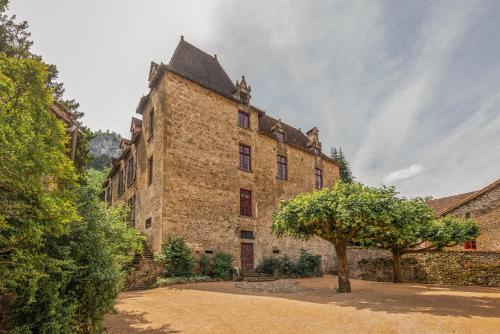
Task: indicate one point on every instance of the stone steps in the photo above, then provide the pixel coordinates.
(258, 277)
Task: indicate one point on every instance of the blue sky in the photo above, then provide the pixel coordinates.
(409, 89)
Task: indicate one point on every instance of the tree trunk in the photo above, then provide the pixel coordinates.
(344, 283)
(396, 265)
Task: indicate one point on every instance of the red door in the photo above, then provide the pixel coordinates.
(246, 257)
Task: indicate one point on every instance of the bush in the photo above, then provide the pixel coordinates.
(177, 258)
(307, 265)
(222, 265)
(205, 266)
(269, 266)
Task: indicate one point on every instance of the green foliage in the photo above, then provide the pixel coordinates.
(340, 215)
(205, 265)
(100, 246)
(344, 168)
(177, 257)
(222, 265)
(307, 265)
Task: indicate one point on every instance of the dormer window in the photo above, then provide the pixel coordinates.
(280, 136)
(316, 151)
(244, 98)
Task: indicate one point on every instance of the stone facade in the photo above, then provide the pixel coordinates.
(448, 267)
(195, 191)
(483, 207)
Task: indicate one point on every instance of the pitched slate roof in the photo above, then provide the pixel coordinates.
(293, 136)
(440, 204)
(200, 67)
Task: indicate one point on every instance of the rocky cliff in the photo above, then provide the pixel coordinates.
(103, 146)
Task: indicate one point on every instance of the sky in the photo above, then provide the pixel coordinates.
(410, 90)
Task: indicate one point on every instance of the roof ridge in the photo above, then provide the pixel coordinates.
(490, 186)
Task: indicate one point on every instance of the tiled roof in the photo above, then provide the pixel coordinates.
(471, 196)
(440, 204)
(200, 67)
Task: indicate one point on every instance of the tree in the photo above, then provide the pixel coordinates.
(37, 197)
(412, 228)
(340, 215)
(344, 169)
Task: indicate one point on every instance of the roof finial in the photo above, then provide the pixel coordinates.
(215, 56)
(182, 37)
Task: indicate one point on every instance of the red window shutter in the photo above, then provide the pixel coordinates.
(245, 203)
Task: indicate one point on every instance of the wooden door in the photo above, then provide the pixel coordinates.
(246, 257)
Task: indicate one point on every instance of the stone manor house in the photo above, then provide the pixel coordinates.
(205, 164)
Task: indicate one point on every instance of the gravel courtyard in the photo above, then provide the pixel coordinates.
(307, 306)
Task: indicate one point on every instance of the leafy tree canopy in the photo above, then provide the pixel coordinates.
(340, 215)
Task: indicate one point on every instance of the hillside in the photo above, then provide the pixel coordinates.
(103, 146)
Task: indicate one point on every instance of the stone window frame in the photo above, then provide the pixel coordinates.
(245, 203)
(121, 182)
(245, 156)
(282, 167)
(243, 119)
(131, 170)
(245, 234)
(151, 123)
(150, 170)
(245, 98)
(280, 136)
(318, 178)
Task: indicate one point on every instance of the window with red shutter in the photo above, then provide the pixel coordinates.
(245, 157)
(470, 244)
(245, 203)
(282, 172)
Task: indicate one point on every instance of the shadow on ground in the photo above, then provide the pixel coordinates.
(458, 301)
(127, 322)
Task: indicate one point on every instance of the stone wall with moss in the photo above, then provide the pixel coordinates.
(450, 267)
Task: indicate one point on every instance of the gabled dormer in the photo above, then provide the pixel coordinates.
(124, 144)
(313, 136)
(135, 127)
(279, 131)
(243, 91)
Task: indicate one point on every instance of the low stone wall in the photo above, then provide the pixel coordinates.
(143, 275)
(447, 267)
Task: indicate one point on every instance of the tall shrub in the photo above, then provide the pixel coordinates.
(177, 257)
(222, 265)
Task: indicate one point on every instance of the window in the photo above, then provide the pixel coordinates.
(282, 172)
(243, 119)
(276, 251)
(148, 223)
(131, 205)
(121, 182)
(316, 151)
(246, 235)
(245, 157)
(467, 215)
(131, 167)
(244, 98)
(470, 244)
(151, 123)
(318, 174)
(280, 136)
(209, 251)
(109, 195)
(150, 170)
(245, 203)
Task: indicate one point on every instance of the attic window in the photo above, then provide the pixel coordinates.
(316, 151)
(244, 98)
(280, 136)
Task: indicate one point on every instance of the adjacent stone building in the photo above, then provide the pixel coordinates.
(205, 164)
(482, 206)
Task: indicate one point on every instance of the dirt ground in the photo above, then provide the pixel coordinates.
(373, 307)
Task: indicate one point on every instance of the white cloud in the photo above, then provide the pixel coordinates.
(403, 174)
